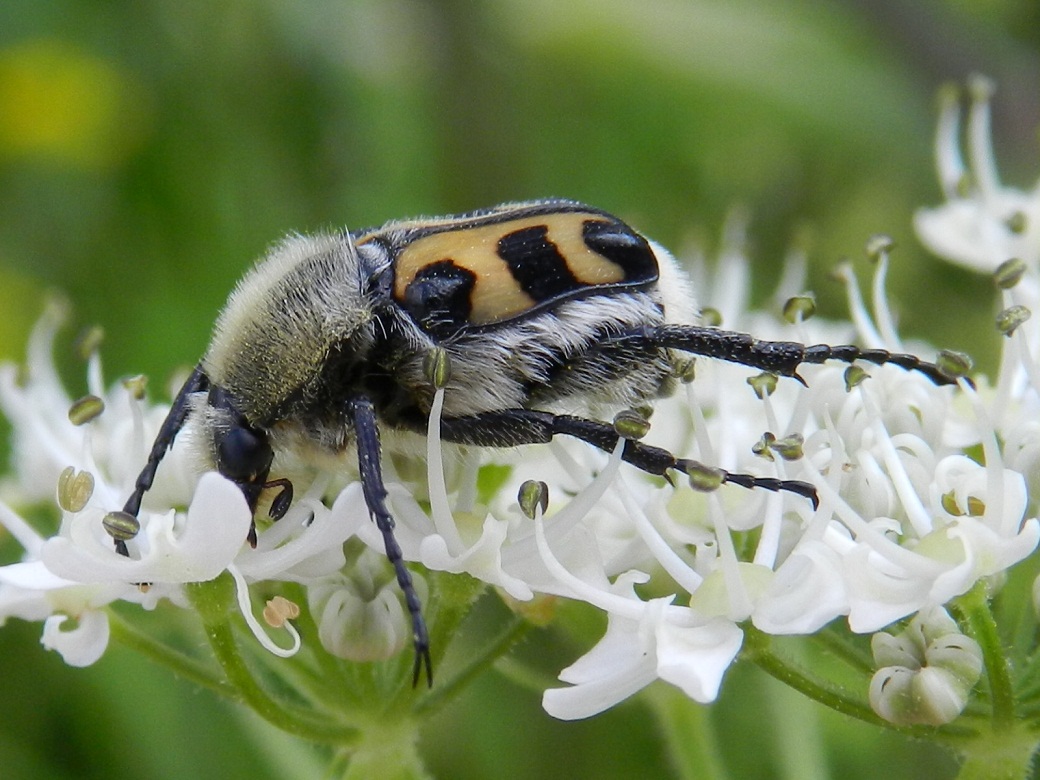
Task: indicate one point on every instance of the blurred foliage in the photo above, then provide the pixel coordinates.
(149, 150)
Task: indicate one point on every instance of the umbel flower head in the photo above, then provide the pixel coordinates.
(910, 516)
(983, 222)
(906, 520)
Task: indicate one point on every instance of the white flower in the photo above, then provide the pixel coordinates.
(645, 641)
(74, 574)
(982, 223)
(904, 548)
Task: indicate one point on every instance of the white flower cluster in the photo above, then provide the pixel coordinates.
(906, 520)
(73, 574)
(995, 229)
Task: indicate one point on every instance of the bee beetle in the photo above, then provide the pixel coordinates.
(539, 306)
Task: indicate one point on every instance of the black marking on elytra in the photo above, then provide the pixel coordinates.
(620, 244)
(536, 263)
(439, 295)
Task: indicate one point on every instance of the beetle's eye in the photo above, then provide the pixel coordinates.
(243, 454)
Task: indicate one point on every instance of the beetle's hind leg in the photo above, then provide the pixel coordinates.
(779, 357)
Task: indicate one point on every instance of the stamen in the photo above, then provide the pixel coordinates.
(731, 270)
(857, 309)
(772, 520)
(704, 449)
(1009, 273)
(575, 510)
(583, 503)
(466, 497)
(1025, 356)
(95, 377)
(739, 600)
(22, 532)
(74, 489)
(89, 341)
(792, 275)
(533, 498)
(678, 569)
(138, 442)
(994, 515)
(799, 308)
(980, 146)
(440, 507)
(244, 605)
(43, 372)
(882, 246)
(950, 163)
(917, 514)
(279, 610)
(86, 409)
(604, 600)
(878, 542)
(772, 523)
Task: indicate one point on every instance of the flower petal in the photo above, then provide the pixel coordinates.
(82, 645)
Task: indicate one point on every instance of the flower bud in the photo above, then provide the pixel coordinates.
(360, 617)
(926, 671)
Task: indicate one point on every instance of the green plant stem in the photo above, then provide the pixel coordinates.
(975, 607)
(303, 724)
(1004, 756)
(212, 600)
(840, 647)
(757, 649)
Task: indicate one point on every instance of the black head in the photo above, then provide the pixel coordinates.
(243, 452)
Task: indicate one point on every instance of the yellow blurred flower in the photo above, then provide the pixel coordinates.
(62, 104)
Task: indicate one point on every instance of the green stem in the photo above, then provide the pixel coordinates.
(212, 600)
(280, 714)
(798, 743)
(387, 753)
(693, 747)
(1004, 756)
(839, 645)
(975, 608)
(757, 649)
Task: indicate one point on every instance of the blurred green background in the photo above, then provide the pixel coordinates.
(150, 150)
